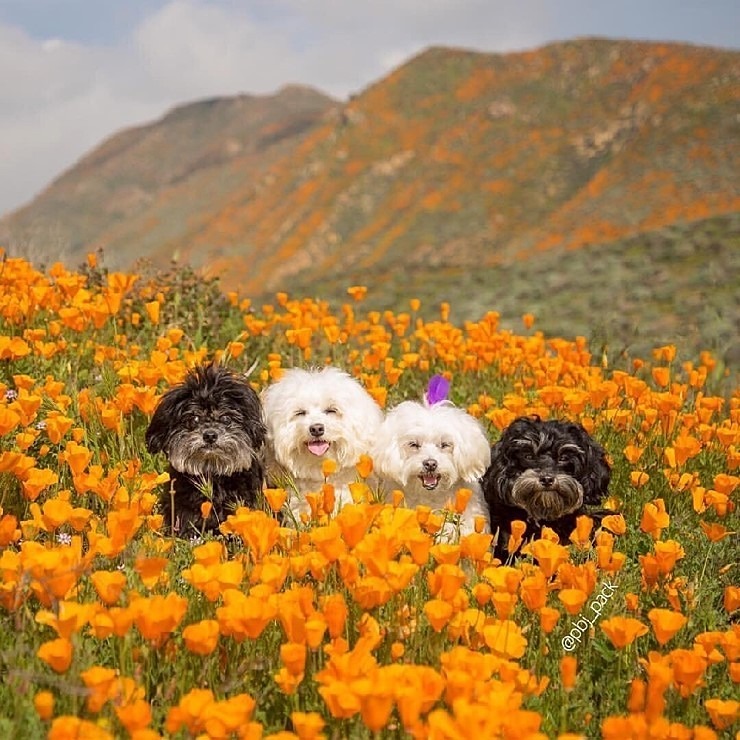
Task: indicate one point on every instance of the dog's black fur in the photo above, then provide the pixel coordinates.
(544, 473)
(212, 431)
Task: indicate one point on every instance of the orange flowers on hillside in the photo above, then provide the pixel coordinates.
(366, 619)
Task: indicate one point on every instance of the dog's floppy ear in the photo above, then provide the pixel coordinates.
(490, 482)
(251, 414)
(597, 471)
(597, 481)
(472, 452)
(165, 416)
(386, 453)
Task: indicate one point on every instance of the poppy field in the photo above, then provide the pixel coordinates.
(360, 624)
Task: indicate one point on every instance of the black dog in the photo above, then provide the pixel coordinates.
(211, 429)
(544, 473)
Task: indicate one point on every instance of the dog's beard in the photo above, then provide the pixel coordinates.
(190, 454)
(547, 503)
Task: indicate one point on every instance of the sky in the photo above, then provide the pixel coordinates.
(73, 72)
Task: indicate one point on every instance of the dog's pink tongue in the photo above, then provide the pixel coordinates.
(318, 447)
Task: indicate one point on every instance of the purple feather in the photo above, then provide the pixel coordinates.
(437, 389)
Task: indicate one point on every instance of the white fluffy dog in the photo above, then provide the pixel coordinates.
(430, 450)
(315, 415)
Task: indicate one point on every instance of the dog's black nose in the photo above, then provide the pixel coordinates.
(317, 430)
(547, 480)
(209, 436)
(430, 464)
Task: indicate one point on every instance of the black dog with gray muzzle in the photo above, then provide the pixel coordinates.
(212, 431)
(544, 473)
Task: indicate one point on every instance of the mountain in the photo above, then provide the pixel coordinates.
(154, 183)
(453, 176)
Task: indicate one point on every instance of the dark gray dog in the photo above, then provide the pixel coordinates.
(544, 473)
(211, 429)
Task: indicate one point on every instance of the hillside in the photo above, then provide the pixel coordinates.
(460, 172)
(151, 182)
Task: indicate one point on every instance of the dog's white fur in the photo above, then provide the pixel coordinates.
(414, 432)
(350, 417)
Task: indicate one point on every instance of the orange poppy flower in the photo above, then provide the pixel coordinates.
(505, 639)
(568, 669)
(258, 531)
(548, 554)
(156, 617)
(419, 544)
(446, 553)
(438, 612)
(293, 657)
(135, 716)
(581, 535)
(307, 725)
(354, 521)
(533, 591)
(37, 480)
(654, 518)
(99, 683)
(328, 541)
(637, 694)
(67, 726)
(572, 599)
(209, 553)
(276, 498)
(364, 466)
(445, 580)
(518, 528)
(43, 703)
(57, 654)
(328, 467)
(376, 702)
(666, 623)
(714, 532)
(503, 604)
(150, 570)
(334, 609)
(623, 631)
(722, 712)
(549, 617)
(482, 593)
(201, 637)
(614, 523)
(9, 531)
(688, 670)
(9, 420)
(731, 599)
(667, 554)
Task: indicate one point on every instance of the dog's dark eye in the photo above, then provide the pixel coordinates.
(225, 418)
(191, 421)
(445, 445)
(330, 410)
(567, 464)
(300, 412)
(414, 445)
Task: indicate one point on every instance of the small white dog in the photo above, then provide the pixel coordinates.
(315, 415)
(431, 449)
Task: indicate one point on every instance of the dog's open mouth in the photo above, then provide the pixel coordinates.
(429, 480)
(318, 447)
